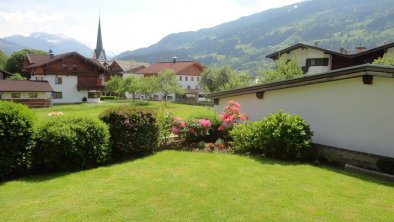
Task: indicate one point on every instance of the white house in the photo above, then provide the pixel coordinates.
(314, 60)
(349, 108)
(73, 77)
(188, 74)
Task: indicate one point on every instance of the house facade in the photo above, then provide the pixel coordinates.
(188, 74)
(348, 109)
(316, 60)
(73, 77)
(31, 93)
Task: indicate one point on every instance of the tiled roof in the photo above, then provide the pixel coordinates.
(40, 61)
(24, 86)
(178, 67)
(128, 66)
(34, 58)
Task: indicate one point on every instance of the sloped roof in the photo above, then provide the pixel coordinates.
(178, 67)
(275, 55)
(127, 66)
(35, 58)
(345, 73)
(41, 61)
(24, 86)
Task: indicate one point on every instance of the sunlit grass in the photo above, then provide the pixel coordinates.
(186, 186)
(94, 109)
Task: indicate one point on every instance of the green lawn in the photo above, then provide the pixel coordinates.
(187, 186)
(94, 109)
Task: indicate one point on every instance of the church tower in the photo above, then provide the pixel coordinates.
(99, 52)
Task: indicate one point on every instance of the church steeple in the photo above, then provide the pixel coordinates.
(99, 52)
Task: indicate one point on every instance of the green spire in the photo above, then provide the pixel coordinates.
(99, 52)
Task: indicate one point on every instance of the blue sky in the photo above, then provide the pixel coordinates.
(126, 25)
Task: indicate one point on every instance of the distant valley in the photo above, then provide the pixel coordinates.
(244, 43)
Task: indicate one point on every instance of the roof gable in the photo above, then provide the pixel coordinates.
(48, 60)
(24, 86)
(180, 68)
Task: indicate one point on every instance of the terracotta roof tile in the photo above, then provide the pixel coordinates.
(24, 86)
(177, 67)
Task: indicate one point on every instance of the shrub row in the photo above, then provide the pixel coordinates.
(133, 131)
(279, 135)
(16, 134)
(108, 98)
(69, 144)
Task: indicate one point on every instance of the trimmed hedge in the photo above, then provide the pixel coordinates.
(16, 134)
(108, 98)
(134, 131)
(68, 144)
(279, 135)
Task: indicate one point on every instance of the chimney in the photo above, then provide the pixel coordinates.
(361, 49)
(342, 50)
(174, 59)
(317, 43)
(51, 54)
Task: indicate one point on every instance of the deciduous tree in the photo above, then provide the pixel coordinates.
(285, 69)
(167, 83)
(15, 61)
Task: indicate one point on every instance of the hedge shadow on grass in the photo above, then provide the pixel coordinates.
(326, 167)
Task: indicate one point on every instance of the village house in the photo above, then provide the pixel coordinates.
(73, 77)
(31, 93)
(314, 59)
(188, 74)
(125, 68)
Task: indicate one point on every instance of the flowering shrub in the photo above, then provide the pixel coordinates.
(192, 129)
(178, 126)
(231, 115)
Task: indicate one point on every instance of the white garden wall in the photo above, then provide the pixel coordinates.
(344, 114)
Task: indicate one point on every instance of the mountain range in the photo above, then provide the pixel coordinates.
(244, 43)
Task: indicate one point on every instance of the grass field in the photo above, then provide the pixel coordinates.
(94, 109)
(187, 186)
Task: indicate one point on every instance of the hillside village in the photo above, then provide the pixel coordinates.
(340, 101)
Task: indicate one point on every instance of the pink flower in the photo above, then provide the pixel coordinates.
(243, 117)
(182, 124)
(176, 130)
(204, 122)
(222, 128)
(177, 119)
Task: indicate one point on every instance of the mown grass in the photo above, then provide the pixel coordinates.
(186, 186)
(94, 109)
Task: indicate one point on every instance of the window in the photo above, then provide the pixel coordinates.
(15, 95)
(180, 78)
(317, 62)
(40, 78)
(64, 67)
(188, 87)
(186, 78)
(33, 95)
(196, 87)
(169, 97)
(198, 78)
(192, 78)
(57, 95)
(58, 80)
(75, 68)
(93, 95)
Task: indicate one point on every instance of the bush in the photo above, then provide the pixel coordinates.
(67, 144)
(213, 133)
(133, 131)
(246, 137)
(279, 135)
(108, 98)
(16, 135)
